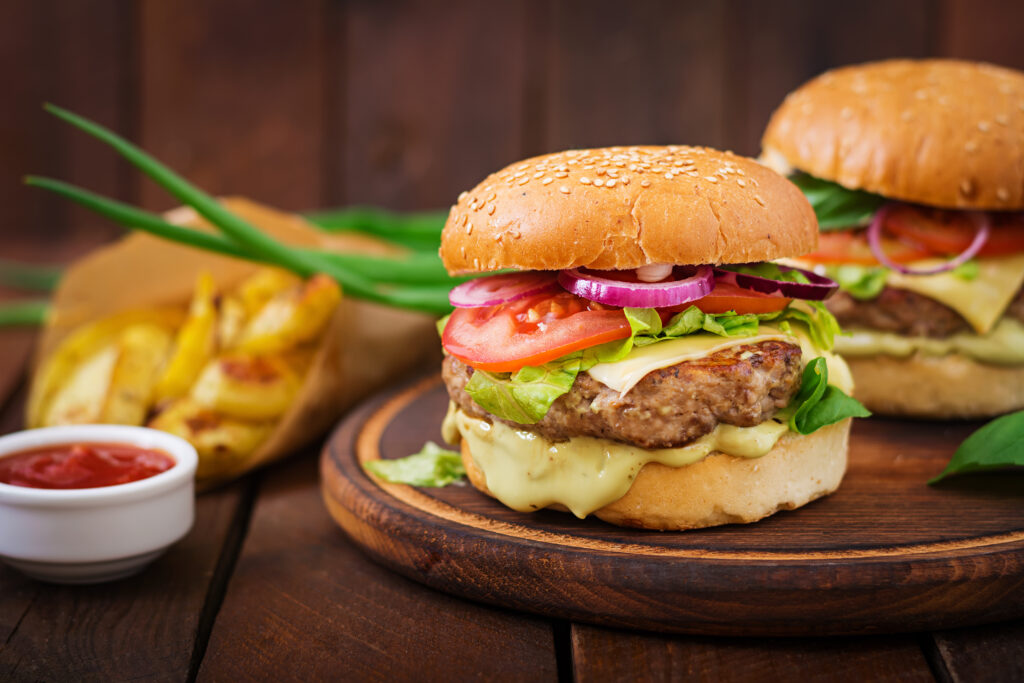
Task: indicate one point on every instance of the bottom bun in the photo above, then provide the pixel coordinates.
(724, 489)
(938, 387)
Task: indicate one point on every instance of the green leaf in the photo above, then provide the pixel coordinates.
(818, 403)
(767, 269)
(861, 282)
(836, 206)
(432, 466)
(821, 325)
(1000, 443)
(968, 270)
(23, 313)
(28, 276)
(526, 395)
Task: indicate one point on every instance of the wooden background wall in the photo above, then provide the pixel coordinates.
(404, 103)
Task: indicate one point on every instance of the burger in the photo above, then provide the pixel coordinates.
(632, 353)
(916, 172)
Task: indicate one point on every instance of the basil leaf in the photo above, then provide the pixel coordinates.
(526, 395)
(432, 466)
(836, 206)
(818, 403)
(1000, 443)
(861, 282)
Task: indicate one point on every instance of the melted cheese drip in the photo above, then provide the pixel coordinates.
(527, 472)
(1004, 345)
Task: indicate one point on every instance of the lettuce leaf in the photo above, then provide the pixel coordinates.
(822, 326)
(836, 206)
(432, 466)
(818, 403)
(998, 444)
(861, 282)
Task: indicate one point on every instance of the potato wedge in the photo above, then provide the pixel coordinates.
(262, 286)
(79, 399)
(194, 345)
(141, 353)
(231, 319)
(223, 443)
(292, 317)
(246, 386)
(56, 372)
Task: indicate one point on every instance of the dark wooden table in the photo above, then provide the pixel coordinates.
(267, 587)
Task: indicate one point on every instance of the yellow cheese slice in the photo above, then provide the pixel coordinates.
(980, 301)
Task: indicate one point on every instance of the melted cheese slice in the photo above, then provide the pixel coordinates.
(1004, 345)
(980, 301)
(527, 472)
(623, 375)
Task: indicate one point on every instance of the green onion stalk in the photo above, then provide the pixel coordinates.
(415, 281)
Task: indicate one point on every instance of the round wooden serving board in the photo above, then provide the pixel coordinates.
(885, 553)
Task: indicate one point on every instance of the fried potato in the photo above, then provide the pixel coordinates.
(259, 288)
(231, 319)
(80, 397)
(68, 361)
(246, 386)
(223, 443)
(292, 317)
(141, 353)
(194, 345)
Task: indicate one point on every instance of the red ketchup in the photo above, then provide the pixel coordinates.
(82, 465)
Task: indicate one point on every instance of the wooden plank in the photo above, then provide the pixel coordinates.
(231, 96)
(600, 654)
(73, 54)
(985, 653)
(304, 604)
(143, 627)
(985, 30)
(639, 73)
(775, 47)
(433, 100)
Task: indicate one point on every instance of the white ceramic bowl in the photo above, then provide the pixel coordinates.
(97, 534)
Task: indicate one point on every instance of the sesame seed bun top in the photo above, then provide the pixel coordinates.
(944, 133)
(626, 207)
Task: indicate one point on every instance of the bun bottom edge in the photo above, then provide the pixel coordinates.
(936, 387)
(724, 489)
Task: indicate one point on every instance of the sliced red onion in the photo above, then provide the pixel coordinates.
(492, 290)
(818, 288)
(874, 235)
(638, 294)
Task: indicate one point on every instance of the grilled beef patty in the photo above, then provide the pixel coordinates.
(743, 386)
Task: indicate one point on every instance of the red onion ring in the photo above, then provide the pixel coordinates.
(818, 289)
(874, 235)
(492, 290)
(638, 294)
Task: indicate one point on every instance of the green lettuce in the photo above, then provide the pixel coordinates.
(861, 282)
(836, 206)
(432, 466)
(769, 270)
(818, 403)
(968, 270)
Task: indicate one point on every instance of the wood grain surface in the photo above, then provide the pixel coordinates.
(885, 553)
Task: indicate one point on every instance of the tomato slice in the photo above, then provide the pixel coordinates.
(847, 246)
(729, 297)
(530, 331)
(951, 232)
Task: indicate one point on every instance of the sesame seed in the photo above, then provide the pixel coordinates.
(600, 171)
(564, 189)
(490, 209)
(538, 174)
(906, 115)
(547, 181)
(984, 126)
(846, 113)
(462, 195)
(757, 198)
(469, 229)
(598, 183)
(610, 183)
(519, 174)
(522, 167)
(1003, 194)
(970, 146)
(741, 182)
(966, 187)
(669, 176)
(645, 183)
(711, 179)
(562, 174)
(1003, 120)
(585, 180)
(625, 180)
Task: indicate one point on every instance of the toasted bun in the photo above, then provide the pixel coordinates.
(725, 489)
(937, 387)
(939, 132)
(625, 207)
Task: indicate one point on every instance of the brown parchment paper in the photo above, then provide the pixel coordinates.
(365, 347)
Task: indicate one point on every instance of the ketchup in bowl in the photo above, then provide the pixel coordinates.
(82, 465)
